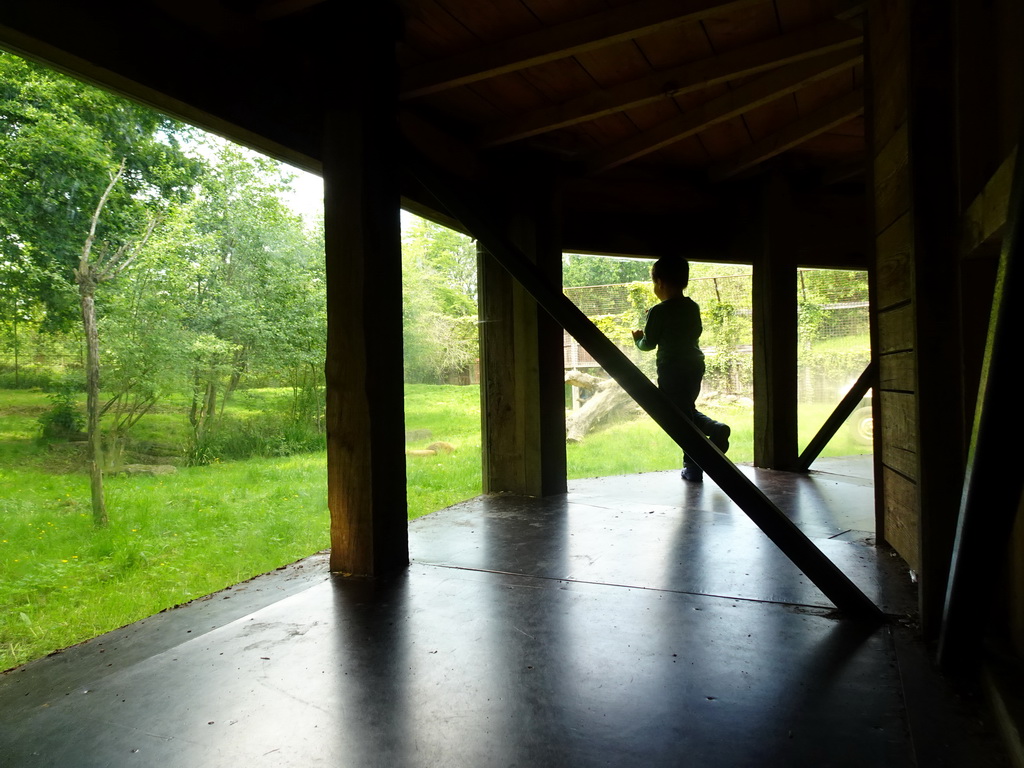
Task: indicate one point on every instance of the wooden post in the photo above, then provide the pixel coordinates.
(365, 413)
(775, 334)
(522, 381)
(931, 130)
(992, 492)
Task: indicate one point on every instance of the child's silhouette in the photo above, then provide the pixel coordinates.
(673, 327)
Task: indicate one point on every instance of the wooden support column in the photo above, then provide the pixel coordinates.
(991, 501)
(522, 371)
(932, 155)
(365, 413)
(775, 333)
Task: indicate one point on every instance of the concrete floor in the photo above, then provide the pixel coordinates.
(636, 621)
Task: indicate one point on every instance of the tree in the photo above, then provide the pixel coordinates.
(92, 270)
(59, 138)
(582, 270)
(439, 302)
(255, 289)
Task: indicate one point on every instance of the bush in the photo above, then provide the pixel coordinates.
(30, 379)
(63, 421)
(265, 436)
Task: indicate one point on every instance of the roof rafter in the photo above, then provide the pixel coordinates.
(833, 114)
(268, 10)
(749, 60)
(764, 89)
(560, 41)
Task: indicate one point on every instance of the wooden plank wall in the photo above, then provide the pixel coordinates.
(896, 471)
(918, 346)
(991, 102)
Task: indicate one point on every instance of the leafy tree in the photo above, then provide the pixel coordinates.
(582, 270)
(60, 139)
(439, 302)
(255, 290)
(65, 214)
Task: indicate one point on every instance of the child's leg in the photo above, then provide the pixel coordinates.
(684, 389)
(716, 431)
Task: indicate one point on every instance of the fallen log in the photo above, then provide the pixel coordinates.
(607, 401)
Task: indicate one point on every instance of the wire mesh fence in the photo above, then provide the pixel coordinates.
(832, 317)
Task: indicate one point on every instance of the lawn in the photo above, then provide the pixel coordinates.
(177, 537)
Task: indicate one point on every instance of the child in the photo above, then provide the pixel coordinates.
(673, 327)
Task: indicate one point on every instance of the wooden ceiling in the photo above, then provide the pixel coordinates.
(642, 106)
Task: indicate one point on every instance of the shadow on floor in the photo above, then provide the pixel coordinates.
(635, 621)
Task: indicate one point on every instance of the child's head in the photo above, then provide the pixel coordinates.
(671, 271)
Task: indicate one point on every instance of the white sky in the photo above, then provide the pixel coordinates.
(307, 198)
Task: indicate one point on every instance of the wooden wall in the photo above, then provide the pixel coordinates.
(890, 221)
(943, 115)
(991, 70)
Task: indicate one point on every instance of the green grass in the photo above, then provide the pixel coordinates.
(640, 445)
(170, 539)
(177, 537)
(450, 414)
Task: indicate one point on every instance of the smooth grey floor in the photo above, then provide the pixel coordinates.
(636, 621)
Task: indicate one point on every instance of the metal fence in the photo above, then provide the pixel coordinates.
(833, 318)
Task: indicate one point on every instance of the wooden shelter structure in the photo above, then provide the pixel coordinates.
(782, 133)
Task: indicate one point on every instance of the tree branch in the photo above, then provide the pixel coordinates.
(83, 265)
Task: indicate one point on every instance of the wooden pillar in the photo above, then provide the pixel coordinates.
(365, 413)
(775, 333)
(522, 382)
(932, 155)
(893, 343)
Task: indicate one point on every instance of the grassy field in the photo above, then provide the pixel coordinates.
(177, 537)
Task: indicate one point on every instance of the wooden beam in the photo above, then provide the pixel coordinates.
(522, 386)
(477, 214)
(775, 331)
(834, 114)
(985, 217)
(763, 90)
(993, 481)
(560, 41)
(269, 10)
(749, 60)
(844, 172)
(366, 492)
(942, 442)
(838, 417)
(850, 9)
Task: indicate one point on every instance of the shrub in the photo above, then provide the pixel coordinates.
(63, 420)
(264, 436)
(31, 379)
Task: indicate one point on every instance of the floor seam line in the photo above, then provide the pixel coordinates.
(625, 586)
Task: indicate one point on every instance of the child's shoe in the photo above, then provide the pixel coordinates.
(719, 436)
(693, 474)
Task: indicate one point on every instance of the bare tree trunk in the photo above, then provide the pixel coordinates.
(88, 275)
(87, 292)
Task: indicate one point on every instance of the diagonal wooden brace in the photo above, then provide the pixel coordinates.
(758, 507)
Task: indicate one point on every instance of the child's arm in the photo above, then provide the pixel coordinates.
(647, 339)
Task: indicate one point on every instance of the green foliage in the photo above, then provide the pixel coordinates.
(727, 368)
(176, 538)
(440, 336)
(64, 419)
(809, 320)
(60, 140)
(31, 379)
(582, 270)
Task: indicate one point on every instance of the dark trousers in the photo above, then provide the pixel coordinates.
(683, 388)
